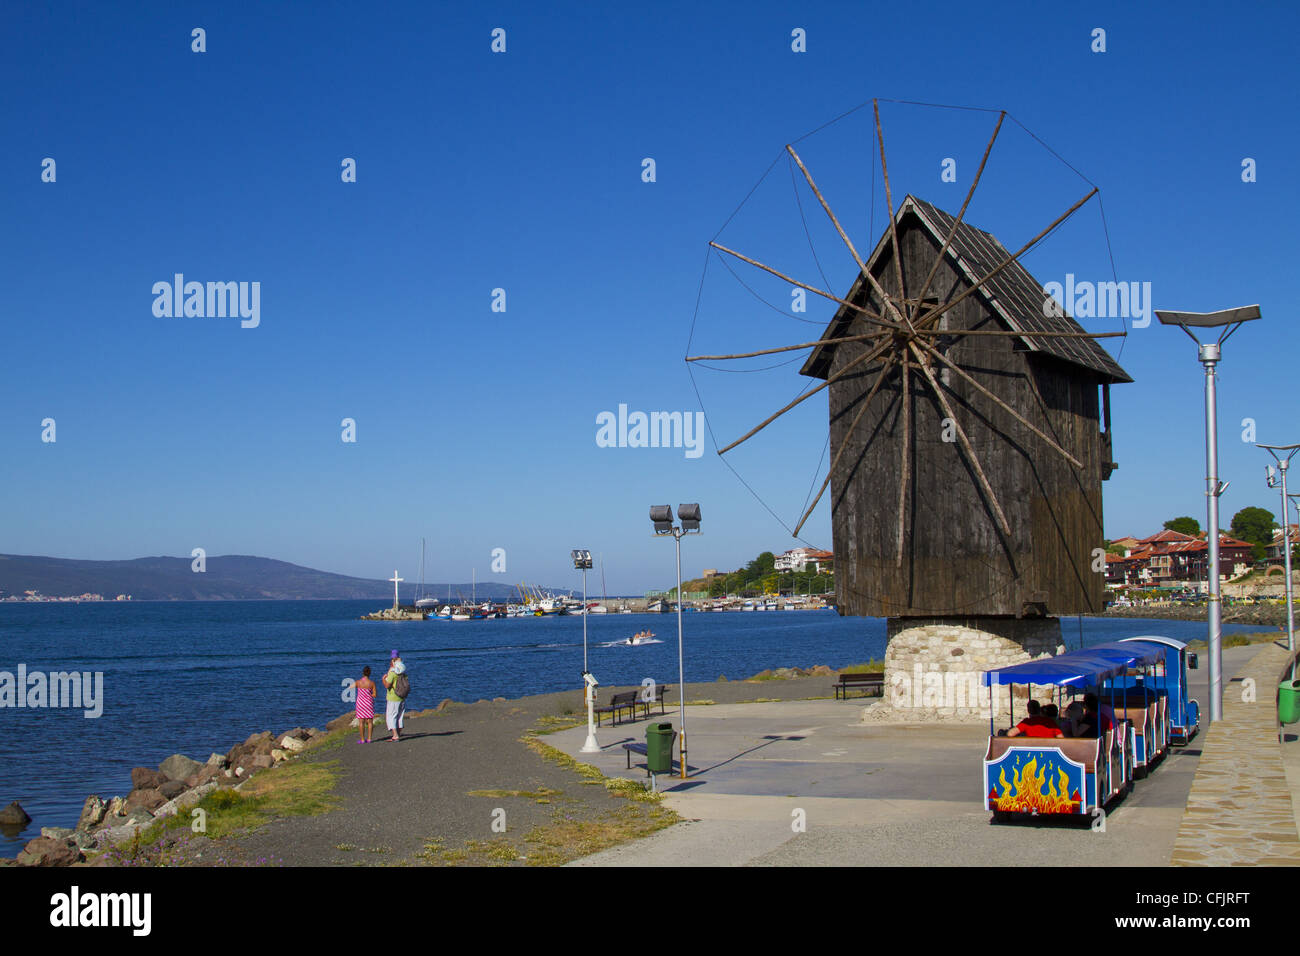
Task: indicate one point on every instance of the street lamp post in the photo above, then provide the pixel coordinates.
(582, 561)
(662, 516)
(1209, 354)
(1283, 454)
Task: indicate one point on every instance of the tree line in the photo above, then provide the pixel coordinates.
(760, 577)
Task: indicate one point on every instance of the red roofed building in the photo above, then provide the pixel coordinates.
(1173, 557)
(1274, 551)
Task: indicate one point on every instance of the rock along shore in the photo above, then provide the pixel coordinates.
(176, 786)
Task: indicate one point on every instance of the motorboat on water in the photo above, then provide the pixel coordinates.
(641, 637)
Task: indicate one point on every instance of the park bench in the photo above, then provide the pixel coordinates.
(618, 703)
(658, 699)
(871, 680)
(631, 748)
(635, 748)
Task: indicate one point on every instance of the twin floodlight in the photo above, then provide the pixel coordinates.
(662, 516)
(581, 560)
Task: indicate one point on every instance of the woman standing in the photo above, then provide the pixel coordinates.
(365, 689)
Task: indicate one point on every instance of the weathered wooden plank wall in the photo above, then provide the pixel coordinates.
(957, 561)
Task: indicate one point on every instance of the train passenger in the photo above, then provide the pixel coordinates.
(1094, 724)
(1104, 709)
(1036, 724)
(1071, 719)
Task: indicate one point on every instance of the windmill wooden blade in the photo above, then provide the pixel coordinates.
(954, 333)
(866, 402)
(1001, 404)
(893, 224)
(795, 282)
(965, 442)
(865, 357)
(862, 268)
(906, 469)
(941, 309)
(934, 267)
(785, 348)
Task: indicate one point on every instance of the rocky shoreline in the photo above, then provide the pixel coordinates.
(176, 786)
(1265, 615)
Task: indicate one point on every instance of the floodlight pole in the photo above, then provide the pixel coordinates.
(689, 515)
(582, 561)
(681, 667)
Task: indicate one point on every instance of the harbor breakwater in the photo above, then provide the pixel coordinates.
(1264, 615)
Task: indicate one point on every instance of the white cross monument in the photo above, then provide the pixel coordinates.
(395, 579)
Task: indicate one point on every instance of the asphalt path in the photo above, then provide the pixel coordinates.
(395, 798)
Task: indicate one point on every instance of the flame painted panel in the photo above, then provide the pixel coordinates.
(1036, 780)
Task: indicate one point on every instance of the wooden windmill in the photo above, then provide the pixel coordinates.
(966, 413)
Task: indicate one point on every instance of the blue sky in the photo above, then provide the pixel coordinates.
(522, 171)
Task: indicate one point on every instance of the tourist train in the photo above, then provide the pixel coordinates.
(1139, 682)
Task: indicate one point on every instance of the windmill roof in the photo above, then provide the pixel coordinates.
(1014, 295)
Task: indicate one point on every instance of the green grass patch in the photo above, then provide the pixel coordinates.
(499, 852)
(563, 840)
(552, 724)
(632, 790)
(538, 794)
(291, 789)
(867, 668)
(1240, 640)
(560, 758)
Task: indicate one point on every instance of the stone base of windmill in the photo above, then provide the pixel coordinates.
(933, 667)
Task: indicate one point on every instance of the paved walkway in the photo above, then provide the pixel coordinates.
(1241, 810)
(867, 794)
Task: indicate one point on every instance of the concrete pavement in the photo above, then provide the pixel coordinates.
(806, 783)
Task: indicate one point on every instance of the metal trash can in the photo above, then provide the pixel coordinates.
(659, 739)
(1288, 702)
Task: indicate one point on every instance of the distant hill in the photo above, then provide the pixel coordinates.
(234, 577)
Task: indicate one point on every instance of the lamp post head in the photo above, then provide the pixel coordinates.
(581, 560)
(689, 516)
(662, 516)
(1205, 320)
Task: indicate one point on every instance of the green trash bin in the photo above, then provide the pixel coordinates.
(1288, 701)
(659, 739)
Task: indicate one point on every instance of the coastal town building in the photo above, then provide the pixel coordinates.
(1169, 559)
(1274, 552)
(799, 560)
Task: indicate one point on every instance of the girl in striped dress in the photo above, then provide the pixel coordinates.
(365, 689)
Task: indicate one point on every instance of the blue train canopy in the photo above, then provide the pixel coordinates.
(1078, 668)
